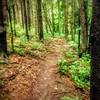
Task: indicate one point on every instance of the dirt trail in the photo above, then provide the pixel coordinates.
(38, 79)
(47, 86)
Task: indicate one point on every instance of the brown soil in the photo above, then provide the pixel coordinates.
(38, 79)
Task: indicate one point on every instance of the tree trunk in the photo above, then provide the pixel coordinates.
(14, 18)
(83, 24)
(22, 14)
(39, 18)
(95, 51)
(48, 23)
(29, 15)
(25, 18)
(59, 16)
(35, 18)
(73, 21)
(11, 28)
(65, 18)
(53, 24)
(3, 13)
(44, 5)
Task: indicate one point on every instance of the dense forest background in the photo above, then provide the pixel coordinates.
(28, 20)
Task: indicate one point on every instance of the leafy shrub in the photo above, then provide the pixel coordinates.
(63, 66)
(19, 51)
(80, 73)
(70, 55)
(72, 44)
(37, 46)
(79, 70)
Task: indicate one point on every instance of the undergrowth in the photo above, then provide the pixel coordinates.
(70, 98)
(77, 68)
(23, 47)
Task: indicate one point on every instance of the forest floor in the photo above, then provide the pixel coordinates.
(37, 78)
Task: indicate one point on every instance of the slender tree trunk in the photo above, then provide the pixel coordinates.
(44, 6)
(48, 23)
(79, 38)
(3, 13)
(53, 24)
(73, 21)
(59, 16)
(65, 18)
(32, 13)
(83, 21)
(39, 18)
(95, 52)
(25, 18)
(22, 14)
(35, 18)
(14, 17)
(11, 28)
(29, 14)
(86, 19)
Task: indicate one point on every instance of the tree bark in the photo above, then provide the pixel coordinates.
(65, 18)
(59, 17)
(39, 18)
(73, 21)
(95, 52)
(26, 19)
(83, 24)
(3, 16)
(53, 23)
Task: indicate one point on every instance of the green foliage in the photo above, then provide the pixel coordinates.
(22, 39)
(79, 69)
(72, 44)
(70, 55)
(20, 31)
(38, 45)
(70, 98)
(23, 47)
(63, 66)
(19, 51)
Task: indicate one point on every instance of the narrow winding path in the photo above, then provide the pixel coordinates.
(38, 79)
(47, 86)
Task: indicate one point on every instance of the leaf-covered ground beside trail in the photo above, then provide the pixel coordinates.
(37, 78)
